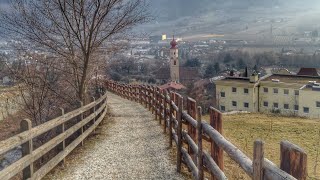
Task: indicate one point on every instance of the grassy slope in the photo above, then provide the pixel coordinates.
(243, 129)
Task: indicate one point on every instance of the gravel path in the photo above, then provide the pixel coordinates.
(129, 145)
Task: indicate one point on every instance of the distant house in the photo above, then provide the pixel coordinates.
(308, 72)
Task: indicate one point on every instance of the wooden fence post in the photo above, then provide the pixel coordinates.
(216, 151)
(145, 95)
(140, 94)
(258, 160)
(159, 105)
(165, 113)
(153, 100)
(81, 118)
(192, 111)
(199, 135)
(179, 133)
(63, 145)
(148, 97)
(155, 104)
(27, 148)
(94, 111)
(151, 95)
(170, 119)
(293, 160)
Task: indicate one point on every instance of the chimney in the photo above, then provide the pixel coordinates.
(246, 72)
(231, 73)
(254, 78)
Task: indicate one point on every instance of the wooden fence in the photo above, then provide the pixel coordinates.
(168, 108)
(87, 119)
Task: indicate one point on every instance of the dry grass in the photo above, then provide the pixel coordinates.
(243, 129)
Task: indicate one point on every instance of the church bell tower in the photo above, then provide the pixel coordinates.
(174, 62)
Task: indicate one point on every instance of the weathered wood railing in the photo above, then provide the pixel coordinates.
(168, 109)
(89, 117)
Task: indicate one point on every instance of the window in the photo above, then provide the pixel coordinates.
(175, 62)
(234, 103)
(234, 89)
(318, 104)
(286, 106)
(246, 91)
(246, 105)
(276, 105)
(286, 91)
(223, 108)
(265, 104)
(266, 90)
(305, 109)
(296, 92)
(296, 107)
(275, 90)
(223, 94)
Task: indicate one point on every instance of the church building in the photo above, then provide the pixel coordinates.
(179, 75)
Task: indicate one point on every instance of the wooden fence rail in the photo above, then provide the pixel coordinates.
(89, 117)
(167, 107)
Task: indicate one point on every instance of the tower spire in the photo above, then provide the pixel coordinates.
(173, 43)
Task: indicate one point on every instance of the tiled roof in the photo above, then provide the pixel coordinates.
(172, 85)
(308, 72)
(292, 78)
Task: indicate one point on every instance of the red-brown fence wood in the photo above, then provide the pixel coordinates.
(199, 160)
(216, 151)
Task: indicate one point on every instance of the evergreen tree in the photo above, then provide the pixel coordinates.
(210, 71)
(217, 67)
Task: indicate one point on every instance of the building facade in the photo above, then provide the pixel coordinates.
(278, 93)
(237, 94)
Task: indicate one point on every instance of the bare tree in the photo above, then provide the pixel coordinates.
(73, 31)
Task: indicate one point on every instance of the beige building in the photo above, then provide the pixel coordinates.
(310, 101)
(237, 94)
(284, 94)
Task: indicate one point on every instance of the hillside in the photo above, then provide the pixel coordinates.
(232, 18)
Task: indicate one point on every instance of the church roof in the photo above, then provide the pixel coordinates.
(172, 85)
(173, 43)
